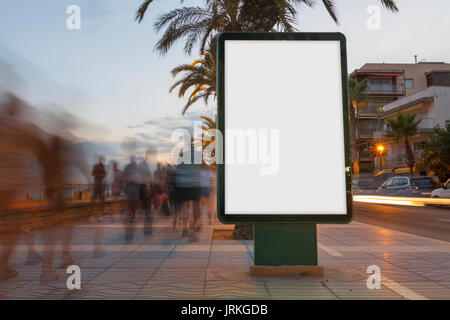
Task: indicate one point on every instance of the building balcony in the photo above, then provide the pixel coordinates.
(366, 157)
(427, 124)
(386, 90)
(365, 134)
(369, 111)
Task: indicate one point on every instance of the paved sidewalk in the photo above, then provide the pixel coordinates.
(168, 266)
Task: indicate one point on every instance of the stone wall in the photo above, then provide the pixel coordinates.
(44, 216)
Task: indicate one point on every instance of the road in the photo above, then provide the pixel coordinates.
(424, 221)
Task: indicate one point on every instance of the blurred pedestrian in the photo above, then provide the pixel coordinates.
(118, 181)
(21, 144)
(145, 178)
(206, 180)
(99, 173)
(189, 186)
(132, 181)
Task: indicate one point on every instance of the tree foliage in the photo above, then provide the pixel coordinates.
(198, 24)
(436, 153)
(404, 127)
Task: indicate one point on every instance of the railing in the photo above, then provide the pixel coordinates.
(366, 157)
(370, 110)
(386, 89)
(365, 133)
(72, 192)
(427, 124)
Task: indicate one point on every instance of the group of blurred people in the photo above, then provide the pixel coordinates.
(171, 190)
(31, 156)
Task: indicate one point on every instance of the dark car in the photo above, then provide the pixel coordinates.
(407, 187)
(364, 186)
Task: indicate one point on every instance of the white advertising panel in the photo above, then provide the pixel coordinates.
(283, 124)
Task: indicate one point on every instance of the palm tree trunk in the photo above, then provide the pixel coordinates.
(257, 15)
(409, 157)
(243, 232)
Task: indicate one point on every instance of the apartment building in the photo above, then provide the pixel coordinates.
(432, 108)
(388, 83)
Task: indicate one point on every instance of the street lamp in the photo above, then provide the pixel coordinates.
(381, 149)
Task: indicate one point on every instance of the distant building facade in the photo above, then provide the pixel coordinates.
(431, 106)
(388, 84)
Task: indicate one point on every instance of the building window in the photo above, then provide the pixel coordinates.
(381, 85)
(409, 83)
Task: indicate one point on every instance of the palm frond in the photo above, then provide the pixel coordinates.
(142, 10)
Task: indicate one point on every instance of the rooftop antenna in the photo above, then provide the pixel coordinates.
(415, 58)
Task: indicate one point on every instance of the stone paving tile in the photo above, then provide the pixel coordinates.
(229, 263)
(236, 290)
(298, 290)
(155, 289)
(167, 266)
(186, 275)
(184, 264)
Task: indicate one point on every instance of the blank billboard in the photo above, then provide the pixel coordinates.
(282, 112)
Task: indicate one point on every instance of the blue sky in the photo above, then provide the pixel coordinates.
(108, 74)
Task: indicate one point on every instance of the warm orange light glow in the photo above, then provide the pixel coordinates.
(380, 148)
(403, 201)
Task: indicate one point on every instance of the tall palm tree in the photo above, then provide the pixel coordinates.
(199, 75)
(357, 94)
(199, 23)
(404, 127)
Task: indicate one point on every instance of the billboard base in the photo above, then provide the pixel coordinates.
(285, 244)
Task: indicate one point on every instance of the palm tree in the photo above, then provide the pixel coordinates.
(207, 126)
(199, 75)
(194, 23)
(200, 23)
(357, 94)
(404, 127)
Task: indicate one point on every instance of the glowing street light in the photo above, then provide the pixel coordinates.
(381, 150)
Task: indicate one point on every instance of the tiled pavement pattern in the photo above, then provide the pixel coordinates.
(167, 266)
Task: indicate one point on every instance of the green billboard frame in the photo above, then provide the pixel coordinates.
(280, 218)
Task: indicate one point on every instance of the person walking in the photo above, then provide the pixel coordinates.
(118, 181)
(21, 143)
(131, 174)
(99, 173)
(145, 178)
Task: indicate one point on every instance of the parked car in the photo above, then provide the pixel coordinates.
(364, 186)
(443, 192)
(407, 187)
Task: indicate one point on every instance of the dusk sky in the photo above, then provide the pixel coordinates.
(108, 74)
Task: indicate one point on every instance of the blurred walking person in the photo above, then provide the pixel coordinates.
(145, 178)
(21, 144)
(206, 178)
(99, 173)
(189, 185)
(132, 181)
(174, 194)
(118, 181)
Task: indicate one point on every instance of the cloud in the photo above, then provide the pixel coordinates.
(157, 132)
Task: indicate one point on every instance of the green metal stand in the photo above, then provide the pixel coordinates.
(289, 244)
